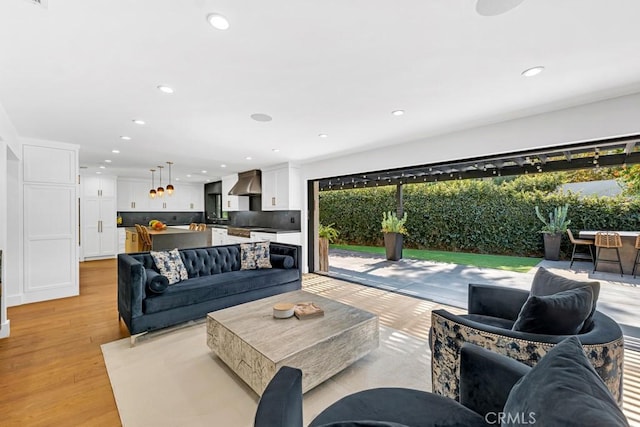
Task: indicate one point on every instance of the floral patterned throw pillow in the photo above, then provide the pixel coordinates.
(261, 250)
(247, 256)
(170, 265)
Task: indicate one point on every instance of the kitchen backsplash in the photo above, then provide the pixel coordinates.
(282, 220)
(129, 219)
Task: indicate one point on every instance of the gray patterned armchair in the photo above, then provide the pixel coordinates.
(493, 311)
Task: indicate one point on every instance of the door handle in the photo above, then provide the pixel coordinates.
(273, 201)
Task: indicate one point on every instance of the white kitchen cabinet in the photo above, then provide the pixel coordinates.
(190, 197)
(260, 236)
(291, 238)
(281, 188)
(99, 237)
(133, 195)
(232, 203)
(49, 232)
(229, 240)
(218, 236)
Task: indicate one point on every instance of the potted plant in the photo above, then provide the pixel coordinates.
(326, 234)
(393, 229)
(553, 229)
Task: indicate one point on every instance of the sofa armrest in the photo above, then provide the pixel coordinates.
(281, 402)
(294, 251)
(496, 301)
(486, 378)
(604, 346)
(132, 279)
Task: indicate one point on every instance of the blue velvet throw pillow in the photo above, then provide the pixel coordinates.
(547, 283)
(170, 265)
(562, 313)
(282, 261)
(562, 389)
(156, 282)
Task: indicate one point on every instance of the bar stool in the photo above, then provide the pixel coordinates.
(608, 240)
(580, 242)
(637, 261)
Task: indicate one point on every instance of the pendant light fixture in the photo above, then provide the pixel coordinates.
(169, 186)
(152, 192)
(160, 189)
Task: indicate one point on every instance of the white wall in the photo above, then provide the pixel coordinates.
(9, 209)
(609, 118)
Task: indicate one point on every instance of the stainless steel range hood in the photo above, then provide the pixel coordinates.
(249, 184)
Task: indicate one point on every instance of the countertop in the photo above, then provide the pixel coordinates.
(257, 229)
(171, 229)
(168, 230)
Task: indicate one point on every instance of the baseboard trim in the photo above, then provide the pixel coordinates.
(5, 329)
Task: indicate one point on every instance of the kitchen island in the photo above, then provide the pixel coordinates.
(170, 238)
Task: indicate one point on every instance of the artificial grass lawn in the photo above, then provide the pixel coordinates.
(500, 262)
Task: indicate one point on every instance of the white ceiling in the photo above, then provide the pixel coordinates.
(82, 70)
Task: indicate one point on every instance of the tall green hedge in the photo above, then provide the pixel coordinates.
(471, 216)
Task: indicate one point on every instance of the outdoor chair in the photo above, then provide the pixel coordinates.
(525, 326)
(563, 389)
(144, 237)
(608, 240)
(193, 226)
(582, 243)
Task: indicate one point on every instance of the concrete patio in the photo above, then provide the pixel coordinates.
(447, 283)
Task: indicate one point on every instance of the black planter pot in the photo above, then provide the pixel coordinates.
(552, 246)
(393, 246)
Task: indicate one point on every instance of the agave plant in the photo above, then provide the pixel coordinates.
(557, 222)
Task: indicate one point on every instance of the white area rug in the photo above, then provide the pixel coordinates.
(173, 379)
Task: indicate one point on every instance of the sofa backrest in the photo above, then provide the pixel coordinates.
(211, 260)
(217, 259)
(201, 261)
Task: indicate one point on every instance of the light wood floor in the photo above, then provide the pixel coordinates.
(52, 372)
(51, 368)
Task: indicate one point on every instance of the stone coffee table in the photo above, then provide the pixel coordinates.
(255, 345)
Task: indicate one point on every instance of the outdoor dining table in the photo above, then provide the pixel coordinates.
(627, 252)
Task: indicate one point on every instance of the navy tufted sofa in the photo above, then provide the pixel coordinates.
(215, 281)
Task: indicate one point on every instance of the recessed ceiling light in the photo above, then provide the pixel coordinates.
(275, 150)
(323, 135)
(397, 112)
(126, 138)
(98, 172)
(139, 122)
(102, 167)
(223, 166)
(203, 171)
(177, 179)
(218, 21)
(533, 71)
(115, 151)
(188, 176)
(261, 117)
(248, 157)
(165, 89)
(107, 161)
